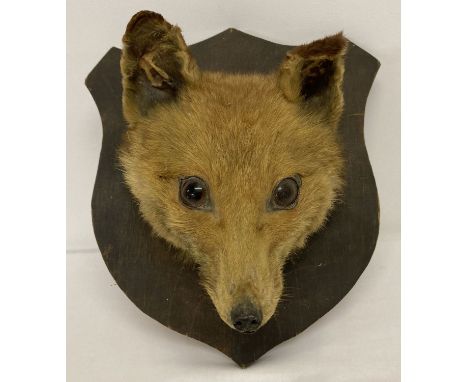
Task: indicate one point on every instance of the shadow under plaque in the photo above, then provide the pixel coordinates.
(317, 278)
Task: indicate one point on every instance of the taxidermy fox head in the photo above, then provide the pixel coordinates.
(236, 170)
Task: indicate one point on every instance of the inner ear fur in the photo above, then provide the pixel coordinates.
(155, 63)
(312, 74)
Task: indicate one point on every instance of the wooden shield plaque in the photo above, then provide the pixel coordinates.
(145, 267)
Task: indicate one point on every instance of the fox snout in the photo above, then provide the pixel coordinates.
(245, 289)
(246, 317)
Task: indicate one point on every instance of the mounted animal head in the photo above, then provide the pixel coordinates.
(236, 170)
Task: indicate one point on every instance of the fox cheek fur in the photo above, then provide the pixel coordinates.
(238, 138)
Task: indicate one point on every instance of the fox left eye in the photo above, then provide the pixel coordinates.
(194, 193)
(285, 194)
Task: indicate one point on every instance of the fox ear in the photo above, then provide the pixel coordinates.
(155, 63)
(313, 75)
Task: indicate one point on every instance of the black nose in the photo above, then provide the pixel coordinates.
(246, 317)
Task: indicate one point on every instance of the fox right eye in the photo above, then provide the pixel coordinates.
(194, 193)
(285, 194)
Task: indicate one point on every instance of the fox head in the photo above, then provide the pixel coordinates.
(236, 170)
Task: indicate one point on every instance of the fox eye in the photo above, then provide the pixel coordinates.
(285, 194)
(194, 193)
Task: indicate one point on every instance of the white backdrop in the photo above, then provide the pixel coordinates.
(359, 339)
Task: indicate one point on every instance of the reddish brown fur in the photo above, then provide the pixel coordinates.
(242, 134)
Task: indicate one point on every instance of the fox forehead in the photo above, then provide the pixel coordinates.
(233, 124)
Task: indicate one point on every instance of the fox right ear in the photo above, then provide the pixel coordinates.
(312, 74)
(155, 63)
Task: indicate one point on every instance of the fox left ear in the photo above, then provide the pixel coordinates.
(155, 64)
(313, 75)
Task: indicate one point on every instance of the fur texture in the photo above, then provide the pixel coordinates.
(242, 134)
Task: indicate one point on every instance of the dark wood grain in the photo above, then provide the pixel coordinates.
(316, 279)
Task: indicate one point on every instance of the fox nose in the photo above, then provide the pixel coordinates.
(246, 317)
